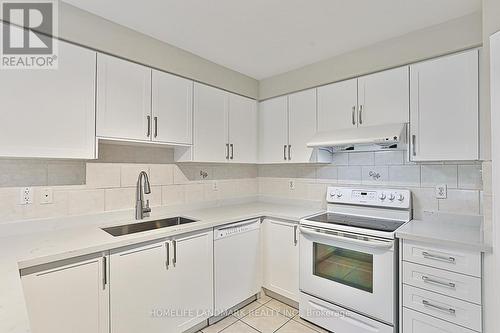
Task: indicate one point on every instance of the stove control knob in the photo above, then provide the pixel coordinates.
(401, 197)
(392, 196)
(382, 196)
(339, 194)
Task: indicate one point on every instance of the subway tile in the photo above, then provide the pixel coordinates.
(161, 174)
(20, 173)
(110, 153)
(103, 175)
(300, 191)
(173, 195)
(374, 175)
(340, 159)
(460, 202)
(36, 210)
(82, 202)
(234, 171)
(349, 175)
(154, 197)
(365, 158)
(317, 191)
(469, 177)
(327, 172)
(179, 176)
(66, 173)
(404, 175)
(130, 174)
(487, 178)
(194, 193)
(278, 171)
(433, 175)
(389, 157)
(119, 198)
(10, 209)
(277, 187)
(423, 199)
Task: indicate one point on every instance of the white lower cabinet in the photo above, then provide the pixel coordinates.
(281, 258)
(416, 322)
(69, 296)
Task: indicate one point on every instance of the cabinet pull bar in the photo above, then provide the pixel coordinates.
(413, 144)
(167, 262)
(148, 132)
(232, 151)
(360, 115)
(174, 260)
(104, 272)
(295, 235)
(289, 152)
(354, 115)
(438, 307)
(156, 126)
(426, 279)
(284, 152)
(428, 255)
(227, 151)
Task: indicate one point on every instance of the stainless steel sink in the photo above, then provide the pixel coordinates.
(145, 226)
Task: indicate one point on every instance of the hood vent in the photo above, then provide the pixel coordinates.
(391, 136)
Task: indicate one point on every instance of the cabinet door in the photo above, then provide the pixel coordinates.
(68, 298)
(416, 322)
(123, 99)
(242, 129)
(444, 108)
(141, 291)
(50, 113)
(210, 124)
(172, 108)
(384, 98)
(273, 130)
(302, 125)
(337, 105)
(192, 278)
(281, 258)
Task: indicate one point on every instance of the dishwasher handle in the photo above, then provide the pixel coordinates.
(237, 228)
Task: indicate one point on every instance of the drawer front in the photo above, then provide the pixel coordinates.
(452, 284)
(459, 261)
(446, 308)
(416, 322)
(337, 319)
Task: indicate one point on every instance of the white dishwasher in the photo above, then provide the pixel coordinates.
(237, 253)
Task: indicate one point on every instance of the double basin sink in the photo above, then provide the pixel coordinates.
(133, 228)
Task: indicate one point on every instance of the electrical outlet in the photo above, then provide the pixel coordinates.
(46, 196)
(441, 191)
(26, 196)
(215, 186)
(291, 184)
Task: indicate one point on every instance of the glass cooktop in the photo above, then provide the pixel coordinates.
(358, 221)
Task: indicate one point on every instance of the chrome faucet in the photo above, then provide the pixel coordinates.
(141, 211)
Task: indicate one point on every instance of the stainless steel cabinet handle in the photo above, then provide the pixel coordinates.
(104, 272)
(284, 152)
(295, 227)
(167, 263)
(156, 126)
(148, 132)
(413, 144)
(428, 255)
(360, 115)
(174, 260)
(289, 152)
(227, 151)
(232, 151)
(354, 115)
(438, 307)
(427, 279)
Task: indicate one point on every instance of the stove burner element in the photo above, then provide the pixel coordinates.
(358, 221)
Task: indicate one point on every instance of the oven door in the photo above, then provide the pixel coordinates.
(352, 271)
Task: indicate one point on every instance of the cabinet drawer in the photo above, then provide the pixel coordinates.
(456, 285)
(416, 322)
(459, 261)
(450, 309)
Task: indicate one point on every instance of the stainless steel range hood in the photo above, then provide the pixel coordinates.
(382, 136)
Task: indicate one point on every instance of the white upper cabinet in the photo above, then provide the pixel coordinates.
(384, 97)
(172, 106)
(242, 129)
(123, 99)
(301, 125)
(210, 124)
(273, 130)
(337, 105)
(50, 113)
(444, 108)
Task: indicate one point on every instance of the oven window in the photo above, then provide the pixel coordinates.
(352, 268)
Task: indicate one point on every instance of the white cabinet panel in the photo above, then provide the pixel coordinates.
(281, 258)
(210, 124)
(273, 130)
(50, 113)
(172, 107)
(416, 322)
(302, 125)
(337, 105)
(123, 99)
(69, 298)
(444, 108)
(384, 97)
(242, 129)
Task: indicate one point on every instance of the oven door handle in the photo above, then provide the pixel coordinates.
(368, 241)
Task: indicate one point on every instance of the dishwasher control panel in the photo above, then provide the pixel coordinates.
(236, 228)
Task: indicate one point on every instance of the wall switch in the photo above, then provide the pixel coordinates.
(46, 196)
(26, 197)
(215, 186)
(291, 184)
(441, 191)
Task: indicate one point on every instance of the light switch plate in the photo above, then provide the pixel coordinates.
(26, 196)
(46, 196)
(215, 186)
(441, 191)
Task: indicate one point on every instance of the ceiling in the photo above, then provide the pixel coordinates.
(262, 38)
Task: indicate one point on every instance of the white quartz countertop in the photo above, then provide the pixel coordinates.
(54, 243)
(459, 231)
